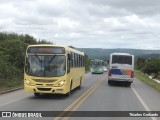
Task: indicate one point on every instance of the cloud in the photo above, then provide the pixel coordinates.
(140, 7)
(85, 23)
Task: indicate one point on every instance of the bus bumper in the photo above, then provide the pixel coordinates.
(97, 72)
(121, 79)
(43, 89)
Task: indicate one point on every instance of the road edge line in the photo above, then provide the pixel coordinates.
(142, 102)
(11, 90)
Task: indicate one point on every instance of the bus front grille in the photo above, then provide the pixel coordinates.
(44, 81)
(44, 89)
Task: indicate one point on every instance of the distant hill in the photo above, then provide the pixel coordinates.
(104, 53)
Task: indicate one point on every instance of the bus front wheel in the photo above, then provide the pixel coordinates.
(79, 87)
(36, 94)
(69, 93)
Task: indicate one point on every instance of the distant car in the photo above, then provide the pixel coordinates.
(105, 69)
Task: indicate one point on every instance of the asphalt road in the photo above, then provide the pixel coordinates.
(95, 95)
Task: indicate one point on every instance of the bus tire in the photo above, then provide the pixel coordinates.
(36, 94)
(109, 82)
(128, 84)
(80, 85)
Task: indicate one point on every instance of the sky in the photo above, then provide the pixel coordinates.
(85, 23)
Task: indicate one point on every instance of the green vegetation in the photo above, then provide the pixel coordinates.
(87, 63)
(140, 63)
(12, 52)
(150, 66)
(7, 84)
(145, 78)
(104, 54)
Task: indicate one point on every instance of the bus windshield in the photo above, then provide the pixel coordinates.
(96, 64)
(122, 59)
(45, 65)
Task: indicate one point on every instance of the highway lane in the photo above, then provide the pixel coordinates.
(121, 98)
(100, 97)
(27, 101)
(20, 101)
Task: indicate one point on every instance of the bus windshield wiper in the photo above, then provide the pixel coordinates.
(37, 57)
(52, 58)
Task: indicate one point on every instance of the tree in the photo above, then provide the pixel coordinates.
(44, 42)
(152, 66)
(12, 52)
(140, 63)
(87, 63)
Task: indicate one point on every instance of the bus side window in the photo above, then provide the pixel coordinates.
(83, 61)
(75, 60)
(80, 60)
(72, 62)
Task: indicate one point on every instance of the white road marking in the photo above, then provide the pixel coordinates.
(142, 102)
(12, 101)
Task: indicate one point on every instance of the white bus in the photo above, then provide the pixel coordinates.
(121, 68)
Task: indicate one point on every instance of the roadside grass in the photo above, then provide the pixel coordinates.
(147, 80)
(7, 84)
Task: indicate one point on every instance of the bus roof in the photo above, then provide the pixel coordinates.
(121, 54)
(67, 48)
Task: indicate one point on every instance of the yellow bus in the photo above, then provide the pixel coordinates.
(54, 69)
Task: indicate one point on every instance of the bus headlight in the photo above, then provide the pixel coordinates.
(29, 83)
(61, 83)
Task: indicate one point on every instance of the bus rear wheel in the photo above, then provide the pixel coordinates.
(109, 82)
(128, 84)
